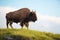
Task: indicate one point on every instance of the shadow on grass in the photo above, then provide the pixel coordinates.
(17, 37)
(9, 36)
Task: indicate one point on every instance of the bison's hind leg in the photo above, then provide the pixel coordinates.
(27, 24)
(7, 23)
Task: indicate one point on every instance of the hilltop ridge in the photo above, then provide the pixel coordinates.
(24, 34)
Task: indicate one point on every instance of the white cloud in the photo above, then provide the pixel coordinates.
(3, 11)
(48, 23)
(6, 9)
(53, 19)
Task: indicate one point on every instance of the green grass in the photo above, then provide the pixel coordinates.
(25, 34)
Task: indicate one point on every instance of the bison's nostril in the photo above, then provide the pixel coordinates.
(35, 19)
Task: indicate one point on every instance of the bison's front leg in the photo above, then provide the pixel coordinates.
(27, 25)
(21, 24)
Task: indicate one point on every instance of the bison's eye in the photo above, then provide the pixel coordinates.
(31, 14)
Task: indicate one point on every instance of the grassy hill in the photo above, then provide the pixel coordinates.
(24, 34)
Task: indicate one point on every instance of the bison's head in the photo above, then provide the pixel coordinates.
(33, 16)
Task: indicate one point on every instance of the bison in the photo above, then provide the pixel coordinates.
(22, 16)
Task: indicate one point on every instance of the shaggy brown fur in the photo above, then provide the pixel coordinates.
(24, 16)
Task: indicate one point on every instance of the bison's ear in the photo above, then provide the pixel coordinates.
(31, 14)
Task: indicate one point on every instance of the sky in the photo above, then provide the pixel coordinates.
(47, 11)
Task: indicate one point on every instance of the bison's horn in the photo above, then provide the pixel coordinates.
(32, 10)
(35, 11)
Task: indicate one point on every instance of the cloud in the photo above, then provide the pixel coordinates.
(3, 11)
(49, 23)
(6, 9)
(53, 19)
